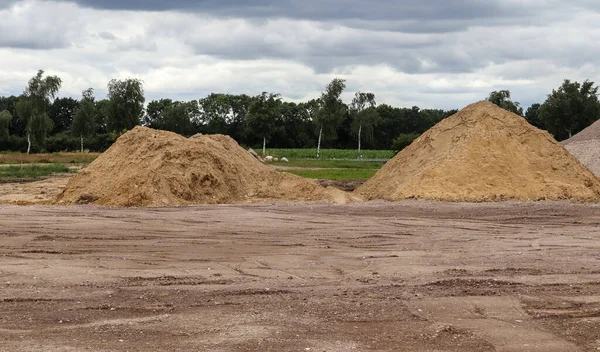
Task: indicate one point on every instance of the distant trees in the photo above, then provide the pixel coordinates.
(61, 112)
(38, 113)
(84, 121)
(364, 115)
(570, 108)
(5, 119)
(331, 109)
(33, 105)
(264, 116)
(178, 117)
(532, 115)
(126, 104)
(503, 100)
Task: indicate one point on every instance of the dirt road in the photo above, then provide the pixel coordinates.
(410, 276)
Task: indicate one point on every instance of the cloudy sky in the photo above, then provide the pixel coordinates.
(429, 53)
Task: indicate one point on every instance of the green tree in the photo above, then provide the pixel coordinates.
(61, 113)
(33, 107)
(216, 112)
(503, 100)
(364, 115)
(126, 104)
(5, 119)
(84, 122)
(331, 109)
(179, 117)
(264, 116)
(570, 108)
(532, 115)
(102, 108)
(152, 118)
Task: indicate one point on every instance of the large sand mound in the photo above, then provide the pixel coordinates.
(146, 167)
(483, 153)
(585, 146)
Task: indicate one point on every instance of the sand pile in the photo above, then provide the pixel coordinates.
(483, 153)
(146, 167)
(585, 146)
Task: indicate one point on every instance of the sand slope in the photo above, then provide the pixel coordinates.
(147, 167)
(483, 153)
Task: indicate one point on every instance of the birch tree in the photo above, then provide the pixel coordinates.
(33, 107)
(331, 109)
(84, 123)
(364, 115)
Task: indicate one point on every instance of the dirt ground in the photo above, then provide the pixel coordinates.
(37, 192)
(377, 276)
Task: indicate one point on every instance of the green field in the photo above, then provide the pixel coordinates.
(31, 171)
(338, 175)
(52, 158)
(330, 164)
(329, 153)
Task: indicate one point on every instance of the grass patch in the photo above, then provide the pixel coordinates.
(338, 175)
(330, 164)
(60, 158)
(31, 171)
(329, 153)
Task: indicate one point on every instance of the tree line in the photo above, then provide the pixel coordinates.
(39, 120)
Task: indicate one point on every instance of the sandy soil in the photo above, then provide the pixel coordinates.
(36, 192)
(409, 276)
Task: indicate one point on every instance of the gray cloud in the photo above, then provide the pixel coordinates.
(429, 53)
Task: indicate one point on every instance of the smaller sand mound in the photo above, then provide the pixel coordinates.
(483, 153)
(585, 146)
(147, 167)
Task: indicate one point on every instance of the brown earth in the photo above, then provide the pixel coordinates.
(26, 191)
(483, 153)
(147, 167)
(585, 146)
(377, 276)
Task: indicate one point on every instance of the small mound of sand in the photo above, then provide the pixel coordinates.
(483, 153)
(147, 167)
(585, 146)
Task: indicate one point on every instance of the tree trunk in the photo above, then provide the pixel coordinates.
(359, 131)
(28, 143)
(264, 146)
(319, 144)
(81, 136)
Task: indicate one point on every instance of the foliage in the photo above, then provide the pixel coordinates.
(404, 140)
(126, 104)
(33, 105)
(332, 174)
(503, 100)
(264, 116)
(174, 116)
(84, 121)
(364, 115)
(62, 112)
(570, 108)
(331, 109)
(5, 119)
(532, 115)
